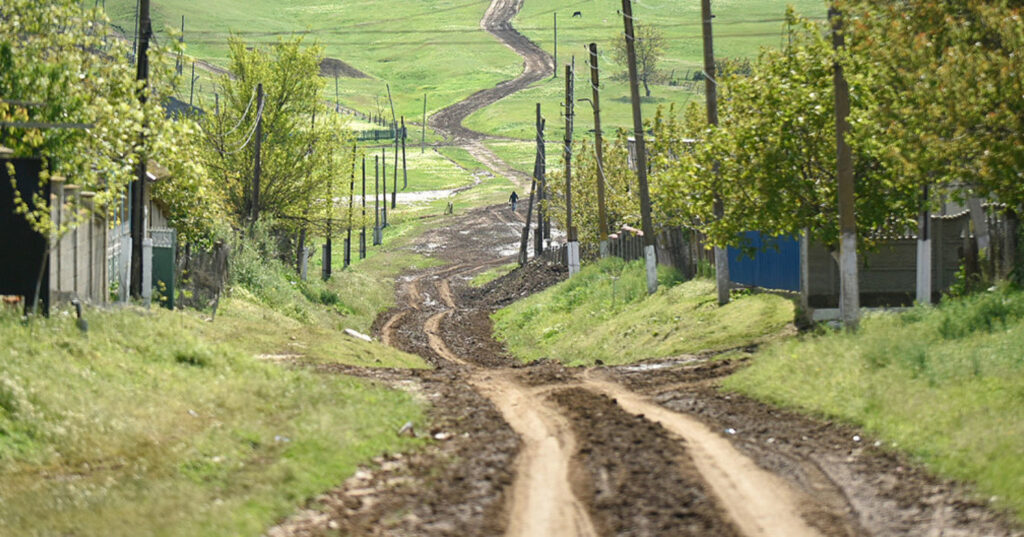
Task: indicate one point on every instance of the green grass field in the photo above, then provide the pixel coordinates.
(741, 29)
(945, 384)
(419, 47)
(157, 423)
(604, 314)
(437, 48)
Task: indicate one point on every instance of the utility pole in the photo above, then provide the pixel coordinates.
(180, 64)
(525, 239)
(602, 216)
(328, 246)
(538, 236)
(556, 44)
(257, 168)
(376, 201)
(337, 100)
(138, 216)
(423, 133)
(192, 88)
(384, 180)
(849, 295)
(711, 100)
(641, 151)
(394, 172)
(405, 170)
(362, 232)
(573, 243)
(351, 202)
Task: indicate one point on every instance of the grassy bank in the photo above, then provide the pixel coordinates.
(604, 314)
(944, 384)
(146, 426)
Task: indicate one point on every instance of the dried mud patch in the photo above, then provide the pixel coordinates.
(636, 478)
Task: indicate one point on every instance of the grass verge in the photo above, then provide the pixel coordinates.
(490, 275)
(144, 426)
(943, 384)
(604, 314)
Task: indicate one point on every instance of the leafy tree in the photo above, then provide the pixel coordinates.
(946, 91)
(65, 59)
(301, 145)
(650, 47)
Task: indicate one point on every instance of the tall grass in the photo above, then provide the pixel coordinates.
(605, 314)
(145, 426)
(945, 384)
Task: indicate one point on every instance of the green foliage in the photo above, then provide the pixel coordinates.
(943, 383)
(65, 57)
(649, 47)
(159, 416)
(303, 146)
(605, 314)
(945, 97)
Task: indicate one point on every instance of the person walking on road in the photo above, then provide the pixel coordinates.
(513, 199)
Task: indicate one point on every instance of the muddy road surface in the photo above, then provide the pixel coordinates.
(540, 449)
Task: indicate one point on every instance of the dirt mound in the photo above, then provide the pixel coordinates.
(333, 67)
(535, 276)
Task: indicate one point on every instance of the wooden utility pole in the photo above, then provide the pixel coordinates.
(525, 239)
(541, 171)
(602, 216)
(180, 64)
(573, 244)
(384, 180)
(376, 200)
(405, 170)
(711, 100)
(257, 169)
(362, 232)
(351, 202)
(328, 246)
(192, 84)
(849, 294)
(556, 44)
(138, 216)
(641, 151)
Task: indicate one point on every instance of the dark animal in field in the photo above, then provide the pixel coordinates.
(577, 14)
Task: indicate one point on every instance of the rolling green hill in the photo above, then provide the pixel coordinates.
(436, 47)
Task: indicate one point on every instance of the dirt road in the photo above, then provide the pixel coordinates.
(542, 450)
(648, 451)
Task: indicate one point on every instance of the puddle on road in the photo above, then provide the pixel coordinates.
(654, 366)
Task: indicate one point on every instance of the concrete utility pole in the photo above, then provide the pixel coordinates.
(849, 294)
(711, 99)
(924, 251)
(405, 169)
(257, 169)
(602, 216)
(573, 243)
(384, 180)
(641, 151)
(337, 99)
(423, 127)
(138, 215)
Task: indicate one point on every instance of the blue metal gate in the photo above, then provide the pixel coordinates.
(775, 265)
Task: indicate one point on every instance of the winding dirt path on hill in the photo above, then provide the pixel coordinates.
(536, 65)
